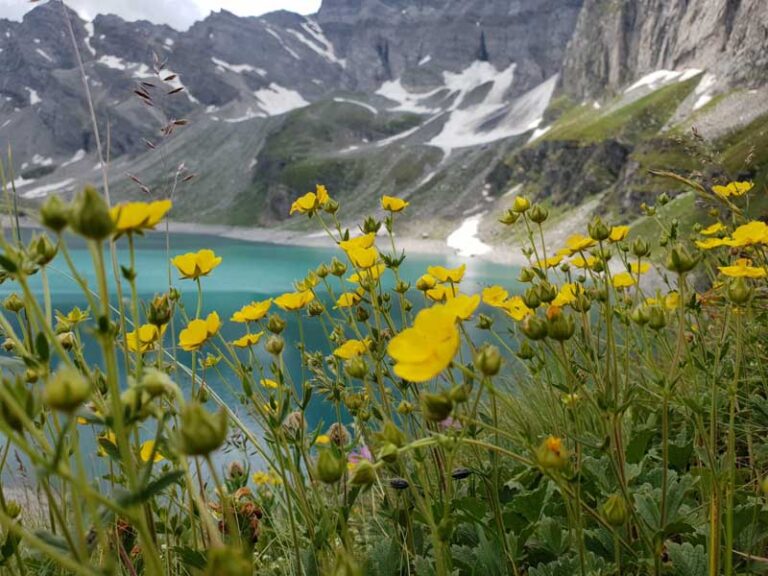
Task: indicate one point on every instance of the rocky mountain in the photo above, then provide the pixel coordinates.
(452, 103)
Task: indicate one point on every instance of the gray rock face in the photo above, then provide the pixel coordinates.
(617, 41)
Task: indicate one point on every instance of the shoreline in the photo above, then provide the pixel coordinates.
(425, 246)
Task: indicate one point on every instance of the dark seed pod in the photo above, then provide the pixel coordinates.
(399, 484)
(460, 473)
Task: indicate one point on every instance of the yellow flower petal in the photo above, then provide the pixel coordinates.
(393, 204)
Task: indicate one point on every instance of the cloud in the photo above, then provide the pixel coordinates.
(178, 13)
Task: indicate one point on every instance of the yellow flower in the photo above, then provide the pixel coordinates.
(348, 299)
(363, 257)
(516, 308)
(550, 262)
(639, 269)
(146, 452)
(733, 189)
(139, 216)
(393, 204)
(711, 243)
(143, 339)
(755, 232)
(495, 296)
(440, 293)
(713, 229)
(371, 274)
(577, 243)
(262, 478)
(351, 349)
(192, 265)
(742, 268)
(426, 349)
(364, 241)
(248, 340)
(268, 383)
(252, 312)
(623, 280)
(323, 439)
(426, 282)
(108, 437)
(197, 332)
(442, 274)
(293, 301)
(566, 295)
(305, 204)
(76, 316)
(618, 233)
(322, 194)
(463, 305)
(581, 262)
(671, 301)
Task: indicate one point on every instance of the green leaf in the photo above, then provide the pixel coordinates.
(687, 560)
(43, 350)
(8, 264)
(152, 489)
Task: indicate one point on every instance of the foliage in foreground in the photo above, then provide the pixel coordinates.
(588, 425)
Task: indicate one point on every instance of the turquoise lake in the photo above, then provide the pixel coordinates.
(249, 271)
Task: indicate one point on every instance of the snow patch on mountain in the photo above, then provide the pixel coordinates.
(275, 99)
(465, 238)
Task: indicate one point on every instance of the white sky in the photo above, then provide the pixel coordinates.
(178, 13)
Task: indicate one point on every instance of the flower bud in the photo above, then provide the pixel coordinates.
(526, 275)
(436, 407)
(90, 216)
(201, 431)
(330, 467)
(425, 283)
(41, 249)
(546, 291)
(640, 315)
(401, 287)
(582, 302)
(534, 328)
(404, 408)
(315, 308)
(54, 214)
(525, 352)
(484, 322)
(13, 509)
(615, 510)
(641, 248)
(66, 390)
(275, 324)
(294, 425)
(31, 375)
(521, 204)
(538, 214)
(156, 382)
(657, 318)
(274, 345)
(338, 434)
(338, 268)
(389, 453)
(13, 303)
(159, 313)
(551, 454)
(597, 230)
(392, 434)
(488, 360)
(66, 339)
(235, 471)
(560, 326)
(8, 345)
(174, 294)
(361, 314)
(679, 259)
(356, 368)
(531, 298)
(364, 474)
(331, 206)
(322, 271)
(459, 393)
(739, 291)
(509, 217)
(663, 199)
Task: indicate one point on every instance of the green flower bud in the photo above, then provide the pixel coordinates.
(332, 206)
(509, 217)
(156, 382)
(31, 375)
(459, 393)
(598, 231)
(526, 275)
(361, 314)
(521, 205)
(338, 268)
(657, 318)
(202, 432)
(488, 360)
(159, 313)
(67, 340)
(274, 345)
(392, 434)
(13, 303)
(641, 248)
(54, 214)
(322, 271)
(538, 214)
(534, 328)
(66, 390)
(13, 509)
(615, 510)
(582, 302)
(275, 324)
(389, 453)
(41, 249)
(404, 408)
(436, 407)
(739, 291)
(402, 287)
(526, 351)
(679, 259)
(330, 467)
(546, 291)
(90, 216)
(663, 199)
(551, 454)
(364, 474)
(640, 315)
(315, 308)
(560, 326)
(531, 298)
(484, 322)
(356, 368)
(371, 225)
